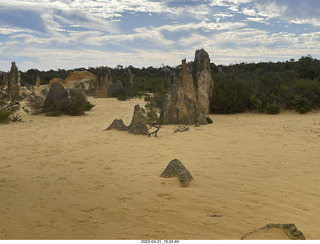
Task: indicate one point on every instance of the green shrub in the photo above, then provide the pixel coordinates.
(35, 103)
(76, 104)
(4, 116)
(273, 108)
(123, 98)
(302, 104)
(89, 106)
(209, 120)
(229, 96)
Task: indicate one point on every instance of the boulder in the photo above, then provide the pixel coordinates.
(56, 97)
(14, 81)
(181, 105)
(137, 126)
(275, 232)
(201, 73)
(176, 169)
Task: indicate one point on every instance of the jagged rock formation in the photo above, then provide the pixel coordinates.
(56, 98)
(14, 81)
(137, 126)
(289, 229)
(169, 76)
(201, 73)
(103, 82)
(181, 105)
(176, 169)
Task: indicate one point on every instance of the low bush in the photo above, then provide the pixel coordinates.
(302, 104)
(229, 96)
(209, 120)
(273, 108)
(4, 116)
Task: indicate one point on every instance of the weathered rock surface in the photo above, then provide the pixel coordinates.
(57, 97)
(103, 82)
(137, 126)
(54, 80)
(181, 105)
(201, 73)
(75, 79)
(289, 229)
(118, 124)
(176, 169)
(14, 81)
(169, 76)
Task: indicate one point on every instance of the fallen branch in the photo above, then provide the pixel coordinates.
(157, 126)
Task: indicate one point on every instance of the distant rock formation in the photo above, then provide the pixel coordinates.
(116, 89)
(103, 82)
(14, 81)
(38, 81)
(76, 78)
(130, 76)
(181, 105)
(169, 76)
(59, 80)
(56, 98)
(137, 126)
(289, 229)
(201, 73)
(176, 169)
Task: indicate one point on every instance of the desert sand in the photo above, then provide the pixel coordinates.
(66, 178)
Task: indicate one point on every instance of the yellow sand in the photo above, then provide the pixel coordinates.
(66, 178)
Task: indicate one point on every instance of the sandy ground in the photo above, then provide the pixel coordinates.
(66, 178)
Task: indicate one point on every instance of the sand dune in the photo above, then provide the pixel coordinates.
(66, 178)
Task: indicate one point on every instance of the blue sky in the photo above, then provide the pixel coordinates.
(66, 34)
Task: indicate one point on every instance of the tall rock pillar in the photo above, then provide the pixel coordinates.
(201, 73)
(14, 81)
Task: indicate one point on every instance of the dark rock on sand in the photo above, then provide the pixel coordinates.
(176, 169)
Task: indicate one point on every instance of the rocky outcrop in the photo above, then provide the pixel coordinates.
(137, 126)
(176, 169)
(103, 82)
(289, 229)
(54, 80)
(56, 98)
(201, 73)
(14, 81)
(181, 105)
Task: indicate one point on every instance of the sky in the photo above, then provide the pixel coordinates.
(67, 34)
